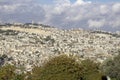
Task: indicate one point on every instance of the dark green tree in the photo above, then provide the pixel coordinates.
(111, 67)
(67, 68)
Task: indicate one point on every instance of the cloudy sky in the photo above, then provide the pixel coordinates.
(86, 14)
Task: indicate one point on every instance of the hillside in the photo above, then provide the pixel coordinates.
(32, 45)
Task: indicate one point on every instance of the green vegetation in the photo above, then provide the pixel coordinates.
(8, 32)
(111, 67)
(65, 67)
(8, 73)
(60, 68)
(49, 38)
(91, 70)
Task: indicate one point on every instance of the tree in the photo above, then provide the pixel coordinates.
(65, 67)
(111, 67)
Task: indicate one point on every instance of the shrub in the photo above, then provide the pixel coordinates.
(62, 67)
(19, 77)
(59, 68)
(7, 72)
(111, 67)
(91, 70)
(67, 68)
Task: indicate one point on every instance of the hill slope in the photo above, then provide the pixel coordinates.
(32, 46)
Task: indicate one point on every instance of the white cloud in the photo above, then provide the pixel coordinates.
(115, 23)
(63, 13)
(104, 9)
(16, 1)
(61, 5)
(83, 14)
(62, 2)
(81, 2)
(116, 7)
(9, 8)
(96, 23)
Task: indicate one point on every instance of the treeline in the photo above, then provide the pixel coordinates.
(107, 33)
(25, 25)
(65, 67)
